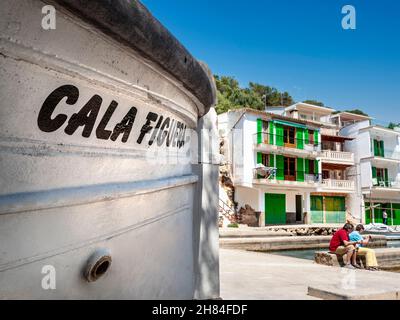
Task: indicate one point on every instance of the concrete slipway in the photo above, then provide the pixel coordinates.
(260, 276)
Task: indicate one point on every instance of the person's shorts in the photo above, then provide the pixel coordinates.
(343, 250)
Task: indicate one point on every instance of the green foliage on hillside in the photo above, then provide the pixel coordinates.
(256, 96)
(356, 111)
(393, 125)
(315, 103)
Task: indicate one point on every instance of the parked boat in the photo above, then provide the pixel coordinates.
(96, 186)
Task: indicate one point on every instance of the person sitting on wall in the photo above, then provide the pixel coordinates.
(341, 245)
(370, 257)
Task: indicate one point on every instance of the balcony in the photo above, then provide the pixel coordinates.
(337, 157)
(338, 185)
(279, 177)
(389, 154)
(267, 142)
(390, 184)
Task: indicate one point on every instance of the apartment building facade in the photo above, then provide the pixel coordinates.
(377, 153)
(291, 165)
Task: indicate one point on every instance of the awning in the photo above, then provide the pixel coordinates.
(291, 124)
(325, 137)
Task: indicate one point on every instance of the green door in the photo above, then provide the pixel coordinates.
(335, 209)
(317, 209)
(275, 208)
(396, 214)
(368, 213)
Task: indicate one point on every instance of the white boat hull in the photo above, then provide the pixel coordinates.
(71, 186)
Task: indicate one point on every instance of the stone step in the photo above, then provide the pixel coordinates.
(265, 244)
(388, 258)
(334, 293)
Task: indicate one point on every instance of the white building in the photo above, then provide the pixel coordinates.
(293, 167)
(377, 154)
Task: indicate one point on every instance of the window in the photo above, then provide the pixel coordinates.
(265, 159)
(289, 135)
(303, 116)
(380, 174)
(265, 126)
(311, 136)
(311, 167)
(290, 168)
(379, 148)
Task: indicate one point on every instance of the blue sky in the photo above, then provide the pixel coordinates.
(297, 46)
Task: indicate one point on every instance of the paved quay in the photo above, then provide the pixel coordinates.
(261, 276)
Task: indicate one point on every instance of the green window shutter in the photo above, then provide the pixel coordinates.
(386, 177)
(374, 172)
(316, 137)
(300, 169)
(280, 166)
(259, 130)
(279, 135)
(271, 132)
(307, 166)
(259, 160)
(259, 157)
(374, 177)
(316, 208)
(382, 148)
(272, 163)
(306, 137)
(316, 167)
(376, 148)
(271, 160)
(300, 138)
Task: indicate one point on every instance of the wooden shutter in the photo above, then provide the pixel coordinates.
(300, 169)
(387, 177)
(306, 137)
(259, 130)
(300, 138)
(376, 148)
(271, 133)
(316, 138)
(382, 148)
(280, 166)
(279, 135)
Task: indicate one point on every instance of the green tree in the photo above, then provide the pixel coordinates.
(315, 103)
(256, 96)
(357, 111)
(393, 125)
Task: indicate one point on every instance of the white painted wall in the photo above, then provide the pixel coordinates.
(250, 196)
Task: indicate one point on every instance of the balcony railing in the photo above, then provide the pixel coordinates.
(280, 174)
(386, 183)
(337, 155)
(388, 154)
(338, 184)
(288, 142)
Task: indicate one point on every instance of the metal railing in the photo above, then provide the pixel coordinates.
(274, 173)
(226, 209)
(383, 183)
(289, 142)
